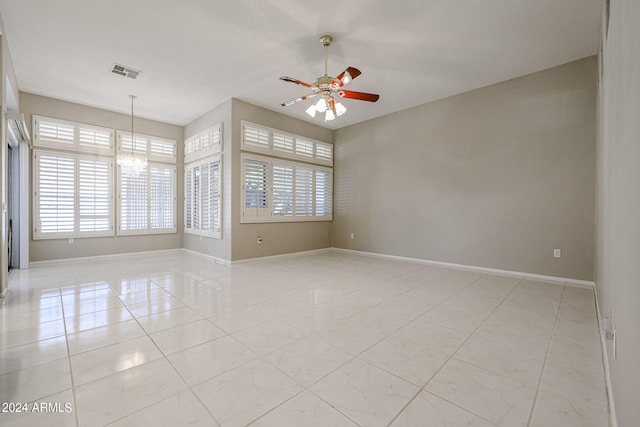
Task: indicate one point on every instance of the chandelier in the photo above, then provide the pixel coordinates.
(131, 164)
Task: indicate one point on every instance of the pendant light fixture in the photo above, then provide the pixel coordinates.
(131, 164)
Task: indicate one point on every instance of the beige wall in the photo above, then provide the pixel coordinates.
(278, 238)
(49, 249)
(219, 248)
(497, 177)
(618, 204)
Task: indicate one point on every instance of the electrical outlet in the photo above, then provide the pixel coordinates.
(259, 240)
(71, 241)
(352, 236)
(557, 253)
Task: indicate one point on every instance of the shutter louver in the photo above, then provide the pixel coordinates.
(162, 197)
(95, 138)
(215, 196)
(56, 193)
(324, 191)
(282, 190)
(196, 197)
(162, 147)
(133, 202)
(188, 202)
(304, 191)
(324, 151)
(205, 198)
(304, 147)
(139, 144)
(94, 195)
(256, 136)
(256, 184)
(54, 131)
(282, 142)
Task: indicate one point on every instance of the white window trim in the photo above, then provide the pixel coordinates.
(213, 233)
(37, 235)
(269, 148)
(75, 145)
(148, 229)
(266, 215)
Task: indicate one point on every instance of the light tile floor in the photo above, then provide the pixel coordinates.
(326, 339)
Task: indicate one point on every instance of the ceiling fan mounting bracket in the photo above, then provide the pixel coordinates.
(326, 40)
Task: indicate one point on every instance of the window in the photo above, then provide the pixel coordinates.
(281, 190)
(202, 197)
(276, 190)
(56, 133)
(261, 139)
(203, 144)
(73, 192)
(202, 183)
(72, 195)
(147, 203)
(155, 148)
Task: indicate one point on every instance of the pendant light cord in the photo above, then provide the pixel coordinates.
(133, 139)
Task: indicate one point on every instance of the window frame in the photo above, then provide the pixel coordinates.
(190, 201)
(75, 144)
(148, 151)
(279, 143)
(267, 214)
(76, 233)
(148, 229)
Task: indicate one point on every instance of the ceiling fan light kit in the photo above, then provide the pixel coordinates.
(327, 87)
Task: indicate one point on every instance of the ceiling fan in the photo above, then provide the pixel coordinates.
(327, 86)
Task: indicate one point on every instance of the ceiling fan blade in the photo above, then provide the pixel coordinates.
(346, 76)
(296, 81)
(362, 96)
(302, 98)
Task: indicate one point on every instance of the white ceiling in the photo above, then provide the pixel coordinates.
(196, 54)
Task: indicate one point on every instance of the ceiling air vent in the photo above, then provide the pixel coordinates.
(125, 71)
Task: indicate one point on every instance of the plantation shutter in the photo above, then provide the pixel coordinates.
(304, 191)
(282, 142)
(95, 138)
(255, 136)
(162, 179)
(133, 202)
(323, 184)
(205, 197)
(188, 197)
(304, 147)
(54, 131)
(324, 152)
(55, 194)
(256, 187)
(215, 196)
(94, 194)
(196, 197)
(162, 149)
(282, 189)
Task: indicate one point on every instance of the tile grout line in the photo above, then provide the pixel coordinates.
(546, 357)
(423, 388)
(166, 358)
(66, 338)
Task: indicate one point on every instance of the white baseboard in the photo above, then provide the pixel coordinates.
(281, 256)
(34, 264)
(509, 273)
(217, 260)
(613, 421)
